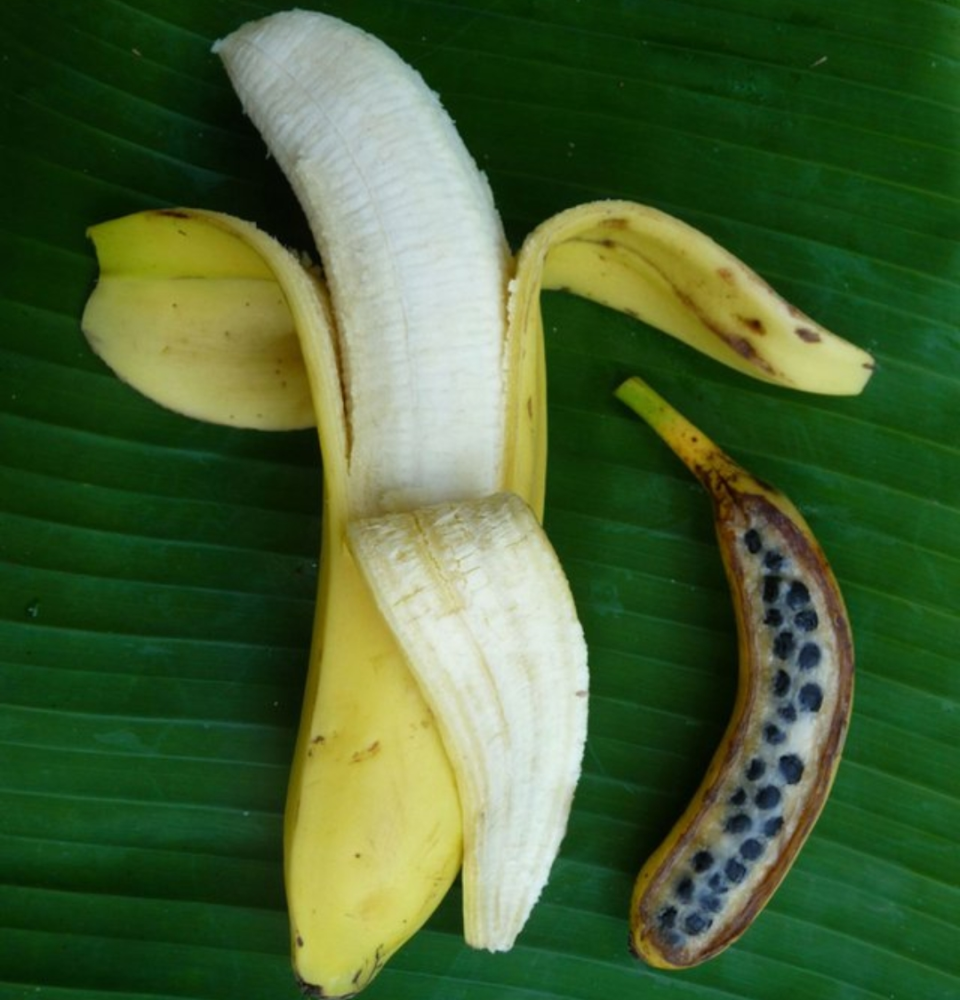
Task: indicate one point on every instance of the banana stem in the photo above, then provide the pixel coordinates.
(703, 457)
(647, 403)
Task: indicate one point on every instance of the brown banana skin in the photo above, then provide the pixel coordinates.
(771, 775)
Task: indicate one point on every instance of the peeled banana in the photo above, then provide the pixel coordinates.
(770, 777)
(417, 267)
(419, 355)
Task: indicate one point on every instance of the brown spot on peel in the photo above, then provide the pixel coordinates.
(743, 347)
(807, 335)
(753, 324)
(726, 274)
(366, 753)
(735, 342)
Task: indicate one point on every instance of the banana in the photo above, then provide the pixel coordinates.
(770, 777)
(480, 604)
(417, 268)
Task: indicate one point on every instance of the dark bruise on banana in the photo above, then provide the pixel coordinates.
(770, 777)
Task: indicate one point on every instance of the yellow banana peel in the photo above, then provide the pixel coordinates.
(193, 317)
(658, 269)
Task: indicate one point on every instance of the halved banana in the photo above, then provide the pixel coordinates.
(770, 777)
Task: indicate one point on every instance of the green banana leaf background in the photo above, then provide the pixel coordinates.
(157, 575)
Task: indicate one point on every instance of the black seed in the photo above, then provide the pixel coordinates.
(773, 734)
(810, 697)
(773, 826)
(711, 903)
(797, 595)
(791, 767)
(739, 797)
(783, 645)
(738, 823)
(735, 870)
(773, 618)
(753, 541)
(697, 923)
(702, 860)
(751, 849)
(773, 560)
(768, 797)
(717, 882)
(771, 588)
(809, 656)
(667, 918)
(781, 683)
(788, 713)
(684, 890)
(806, 620)
(755, 769)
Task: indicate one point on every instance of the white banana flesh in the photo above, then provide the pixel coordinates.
(478, 600)
(412, 246)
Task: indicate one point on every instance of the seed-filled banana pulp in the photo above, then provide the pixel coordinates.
(770, 777)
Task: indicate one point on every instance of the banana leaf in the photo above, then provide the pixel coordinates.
(157, 575)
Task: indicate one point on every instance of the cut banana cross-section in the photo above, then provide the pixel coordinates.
(770, 777)
(480, 605)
